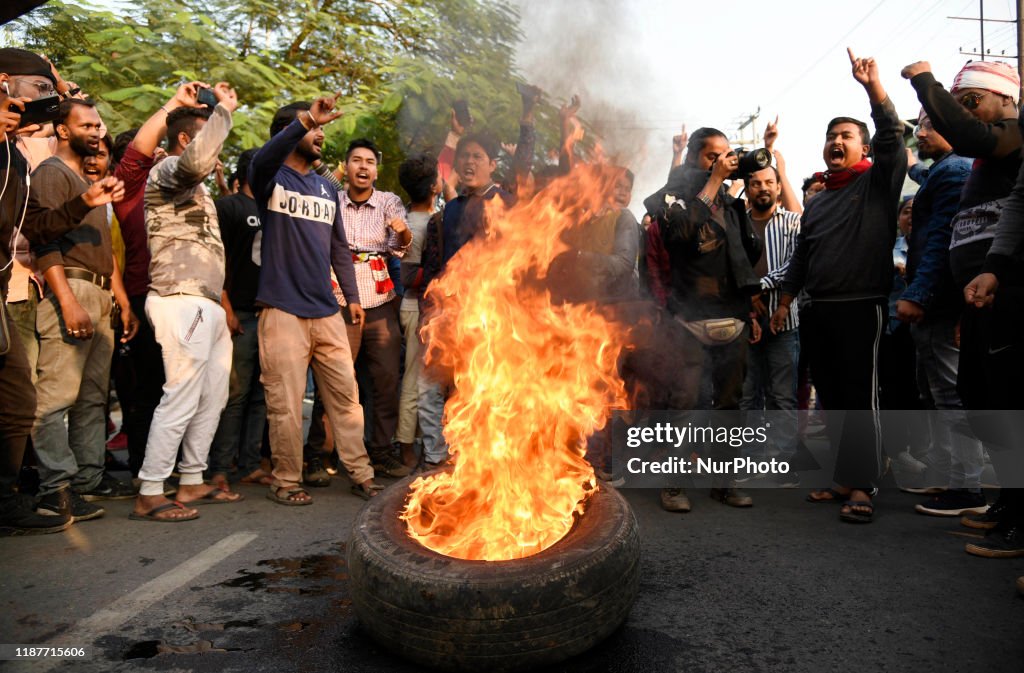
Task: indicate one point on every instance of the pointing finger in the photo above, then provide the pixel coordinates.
(853, 59)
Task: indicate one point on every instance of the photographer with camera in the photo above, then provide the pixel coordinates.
(713, 290)
(843, 260)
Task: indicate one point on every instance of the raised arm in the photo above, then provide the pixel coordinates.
(269, 159)
(153, 131)
(200, 157)
(790, 200)
(969, 136)
(889, 154)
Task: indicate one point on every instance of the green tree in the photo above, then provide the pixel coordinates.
(398, 64)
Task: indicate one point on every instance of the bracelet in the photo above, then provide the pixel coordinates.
(166, 111)
(705, 199)
(312, 122)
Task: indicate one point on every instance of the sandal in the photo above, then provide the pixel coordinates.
(151, 515)
(833, 496)
(371, 490)
(853, 516)
(289, 497)
(213, 497)
(258, 477)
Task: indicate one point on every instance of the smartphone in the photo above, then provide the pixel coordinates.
(527, 89)
(206, 97)
(462, 115)
(39, 111)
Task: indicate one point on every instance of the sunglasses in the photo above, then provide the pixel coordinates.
(971, 101)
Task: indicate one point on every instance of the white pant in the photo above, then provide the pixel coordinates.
(193, 334)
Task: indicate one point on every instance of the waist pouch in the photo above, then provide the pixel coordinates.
(715, 331)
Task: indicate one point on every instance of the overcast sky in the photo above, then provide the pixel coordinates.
(646, 66)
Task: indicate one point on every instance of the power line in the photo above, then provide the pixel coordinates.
(826, 53)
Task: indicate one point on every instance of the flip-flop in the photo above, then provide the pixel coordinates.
(370, 491)
(854, 516)
(290, 492)
(834, 496)
(151, 515)
(263, 480)
(211, 499)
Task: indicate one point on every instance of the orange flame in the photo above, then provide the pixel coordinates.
(533, 379)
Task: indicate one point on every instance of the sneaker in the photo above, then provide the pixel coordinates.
(1000, 542)
(17, 517)
(674, 500)
(391, 467)
(109, 488)
(987, 520)
(733, 497)
(923, 490)
(314, 473)
(788, 480)
(907, 463)
(66, 502)
(610, 478)
(954, 502)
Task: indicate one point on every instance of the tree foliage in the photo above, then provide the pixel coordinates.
(398, 64)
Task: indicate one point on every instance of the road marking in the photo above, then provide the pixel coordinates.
(104, 621)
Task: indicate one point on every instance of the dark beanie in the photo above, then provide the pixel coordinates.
(15, 61)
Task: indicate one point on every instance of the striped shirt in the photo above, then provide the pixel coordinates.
(779, 243)
(367, 232)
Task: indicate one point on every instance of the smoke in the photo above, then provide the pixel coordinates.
(594, 49)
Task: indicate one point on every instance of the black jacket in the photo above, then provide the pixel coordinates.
(711, 266)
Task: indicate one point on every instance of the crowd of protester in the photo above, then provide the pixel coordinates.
(209, 315)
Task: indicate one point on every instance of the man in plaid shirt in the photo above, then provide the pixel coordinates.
(772, 363)
(376, 230)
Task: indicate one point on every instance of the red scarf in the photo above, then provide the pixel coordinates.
(841, 178)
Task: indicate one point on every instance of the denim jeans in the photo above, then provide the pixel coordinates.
(240, 432)
(430, 410)
(407, 421)
(953, 457)
(73, 379)
(771, 386)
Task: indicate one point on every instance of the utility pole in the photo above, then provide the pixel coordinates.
(982, 52)
(1020, 43)
(749, 121)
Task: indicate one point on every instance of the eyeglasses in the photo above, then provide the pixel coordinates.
(45, 87)
(972, 100)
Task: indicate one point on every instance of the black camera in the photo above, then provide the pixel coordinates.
(751, 162)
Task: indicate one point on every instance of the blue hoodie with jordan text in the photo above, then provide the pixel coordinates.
(303, 236)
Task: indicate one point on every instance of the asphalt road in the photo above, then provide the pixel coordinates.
(784, 586)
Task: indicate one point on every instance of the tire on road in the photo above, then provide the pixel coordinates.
(460, 615)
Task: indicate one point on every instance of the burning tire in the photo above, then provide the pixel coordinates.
(460, 615)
